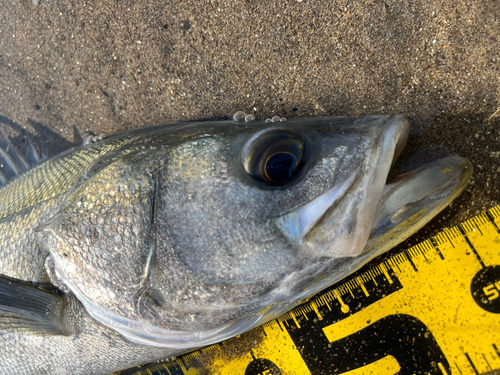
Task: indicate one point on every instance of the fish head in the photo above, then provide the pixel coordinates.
(245, 221)
(263, 205)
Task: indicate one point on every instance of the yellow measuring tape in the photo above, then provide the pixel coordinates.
(431, 309)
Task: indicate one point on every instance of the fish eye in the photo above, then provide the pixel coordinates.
(274, 157)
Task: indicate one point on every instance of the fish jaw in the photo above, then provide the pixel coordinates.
(404, 206)
(410, 201)
(363, 216)
(338, 223)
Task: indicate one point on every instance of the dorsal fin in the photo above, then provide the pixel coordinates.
(13, 162)
(53, 176)
(24, 187)
(21, 150)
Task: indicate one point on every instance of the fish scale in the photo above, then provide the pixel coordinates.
(51, 178)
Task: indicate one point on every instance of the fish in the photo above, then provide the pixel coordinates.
(150, 243)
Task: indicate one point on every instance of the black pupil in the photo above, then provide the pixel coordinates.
(281, 167)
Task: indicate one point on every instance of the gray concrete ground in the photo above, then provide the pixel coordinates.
(107, 66)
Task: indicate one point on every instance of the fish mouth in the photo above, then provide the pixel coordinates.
(412, 199)
(386, 212)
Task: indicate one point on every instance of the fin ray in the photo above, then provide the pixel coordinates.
(23, 306)
(10, 161)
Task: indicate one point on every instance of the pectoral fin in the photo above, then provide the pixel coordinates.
(27, 308)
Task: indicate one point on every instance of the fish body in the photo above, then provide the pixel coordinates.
(157, 241)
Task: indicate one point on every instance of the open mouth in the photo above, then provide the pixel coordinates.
(412, 199)
(385, 213)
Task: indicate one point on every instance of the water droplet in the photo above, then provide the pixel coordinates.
(283, 119)
(249, 118)
(239, 116)
(275, 119)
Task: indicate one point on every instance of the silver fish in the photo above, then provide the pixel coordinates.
(151, 243)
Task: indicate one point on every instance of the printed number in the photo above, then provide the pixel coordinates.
(492, 291)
